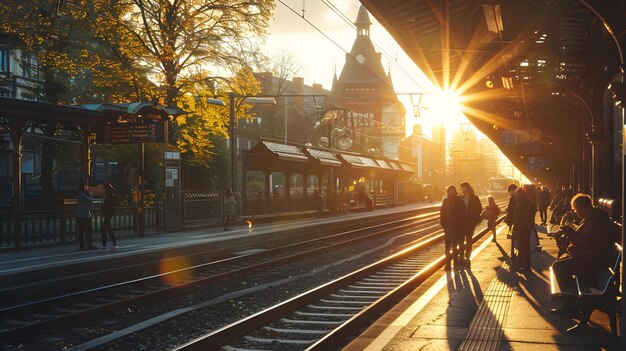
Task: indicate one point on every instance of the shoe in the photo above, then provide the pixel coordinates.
(114, 248)
(565, 311)
(575, 330)
(103, 248)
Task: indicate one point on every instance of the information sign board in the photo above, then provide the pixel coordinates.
(135, 132)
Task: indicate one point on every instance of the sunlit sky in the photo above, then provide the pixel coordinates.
(322, 51)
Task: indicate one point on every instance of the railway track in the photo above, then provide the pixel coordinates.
(326, 316)
(23, 320)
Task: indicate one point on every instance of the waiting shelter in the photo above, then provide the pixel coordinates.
(134, 123)
(286, 177)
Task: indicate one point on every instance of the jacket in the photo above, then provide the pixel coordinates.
(83, 205)
(473, 210)
(108, 204)
(230, 205)
(492, 212)
(524, 218)
(510, 211)
(544, 199)
(452, 215)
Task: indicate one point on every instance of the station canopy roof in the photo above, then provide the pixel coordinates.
(272, 156)
(531, 73)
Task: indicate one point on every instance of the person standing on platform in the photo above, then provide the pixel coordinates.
(473, 210)
(230, 207)
(452, 218)
(523, 225)
(109, 201)
(84, 200)
(544, 202)
(491, 213)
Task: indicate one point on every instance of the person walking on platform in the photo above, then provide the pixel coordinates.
(491, 213)
(473, 210)
(452, 217)
(230, 207)
(523, 225)
(544, 202)
(84, 200)
(109, 201)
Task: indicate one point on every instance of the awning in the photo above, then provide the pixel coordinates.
(369, 162)
(325, 157)
(286, 152)
(395, 165)
(353, 160)
(384, 164)
(407, 167)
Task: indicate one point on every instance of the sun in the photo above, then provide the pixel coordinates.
(445, 107)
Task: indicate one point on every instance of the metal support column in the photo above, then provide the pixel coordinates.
(232, 141)
(139, 215)
(16, 144)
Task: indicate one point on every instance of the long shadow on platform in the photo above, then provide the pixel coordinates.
(523, 326)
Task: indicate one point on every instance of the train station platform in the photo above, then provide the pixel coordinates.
(45, 259)
(486, 308)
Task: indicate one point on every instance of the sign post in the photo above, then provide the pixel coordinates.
(171, 165)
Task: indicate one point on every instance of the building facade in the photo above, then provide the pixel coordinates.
(362, 100)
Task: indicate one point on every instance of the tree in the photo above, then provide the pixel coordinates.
(178, 41)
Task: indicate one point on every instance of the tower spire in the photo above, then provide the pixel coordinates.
(363, 22)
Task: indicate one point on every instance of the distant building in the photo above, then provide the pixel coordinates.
(291, 119)
(362, 99)
(20, 77)
(428, 154)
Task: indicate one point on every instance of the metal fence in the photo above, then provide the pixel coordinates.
(202, 208)
(47, 227)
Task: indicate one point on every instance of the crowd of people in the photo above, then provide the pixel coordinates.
(587, 241)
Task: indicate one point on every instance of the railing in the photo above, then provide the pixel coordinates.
(202, 208)
(47, 227)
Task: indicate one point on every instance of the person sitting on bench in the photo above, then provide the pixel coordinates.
(588, 246)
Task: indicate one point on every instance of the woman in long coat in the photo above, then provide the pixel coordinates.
(230, 207)
(523, 225)
(473, 209)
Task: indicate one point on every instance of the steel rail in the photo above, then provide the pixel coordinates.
(216, 339)
(83, 314)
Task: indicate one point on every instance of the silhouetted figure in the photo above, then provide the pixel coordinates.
(109, 200)
(453, 218)
(491, 214)
(589, 245)
(84, 200)
(230, 207)
(523, 226)
(473, 209)
(544, 202)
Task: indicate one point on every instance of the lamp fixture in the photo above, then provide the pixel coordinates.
(493, 17)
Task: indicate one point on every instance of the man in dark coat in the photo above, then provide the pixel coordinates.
(544, 202)
(453, 218)
(109, 200)
(590, 242)
(473, 209)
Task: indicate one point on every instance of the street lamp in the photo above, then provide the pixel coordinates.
(251, 99)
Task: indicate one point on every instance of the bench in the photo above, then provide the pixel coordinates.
(602, 294)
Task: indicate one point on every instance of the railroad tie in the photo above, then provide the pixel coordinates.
(486, 332)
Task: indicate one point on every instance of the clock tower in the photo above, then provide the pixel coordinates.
(362, 99)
